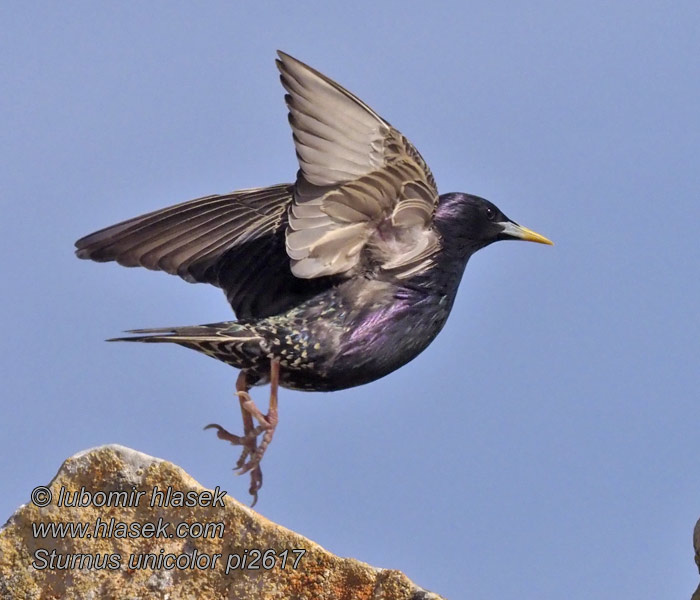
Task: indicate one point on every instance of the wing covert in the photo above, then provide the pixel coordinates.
(358, 177)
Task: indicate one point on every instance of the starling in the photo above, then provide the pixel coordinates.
(337, 279)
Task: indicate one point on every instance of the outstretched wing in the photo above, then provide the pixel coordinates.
(362, 188)
(234, 241)
(362, 193)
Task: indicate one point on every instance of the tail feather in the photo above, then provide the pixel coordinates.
(213, 332)
(236, 344)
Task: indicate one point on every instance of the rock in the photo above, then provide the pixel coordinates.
(151, 531)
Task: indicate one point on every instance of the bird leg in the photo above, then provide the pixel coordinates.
(267, 425)
(268, 422)
(248, 440)
(249, 433)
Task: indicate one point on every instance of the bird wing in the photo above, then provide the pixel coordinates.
(362, 188)
(234, 241)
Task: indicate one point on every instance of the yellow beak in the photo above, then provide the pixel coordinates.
(519, 232)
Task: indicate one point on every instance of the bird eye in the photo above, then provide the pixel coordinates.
(490, 213)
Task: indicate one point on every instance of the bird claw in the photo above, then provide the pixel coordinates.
(245, 467)
(258, 451)
(256, 481)
(249, 443)
(223, 434)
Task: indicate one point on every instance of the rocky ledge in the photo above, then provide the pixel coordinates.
(116, 523)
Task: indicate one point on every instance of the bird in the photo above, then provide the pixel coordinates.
(335, 280)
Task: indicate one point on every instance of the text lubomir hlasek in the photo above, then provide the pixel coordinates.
(157, 497)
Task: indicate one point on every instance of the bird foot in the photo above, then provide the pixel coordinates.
(249, 443)
(252, 453)
(266, 427)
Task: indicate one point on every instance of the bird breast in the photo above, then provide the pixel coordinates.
(378, 329)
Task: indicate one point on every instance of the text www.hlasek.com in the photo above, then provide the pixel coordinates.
(118, 529)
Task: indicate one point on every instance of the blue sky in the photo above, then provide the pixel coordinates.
(545, 444)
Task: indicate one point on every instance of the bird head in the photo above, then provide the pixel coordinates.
(470, 223)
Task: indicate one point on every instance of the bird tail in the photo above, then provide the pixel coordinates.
(236, 344)
(176, 335)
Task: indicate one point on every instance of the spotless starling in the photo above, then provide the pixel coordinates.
(337, 279)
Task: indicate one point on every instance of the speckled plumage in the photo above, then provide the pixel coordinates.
(337, 279)
(346, 336)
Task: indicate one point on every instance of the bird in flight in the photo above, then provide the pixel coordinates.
(337, 279)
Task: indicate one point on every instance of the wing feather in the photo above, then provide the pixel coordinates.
(363, 195)
(358, 175)
(186, 239)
